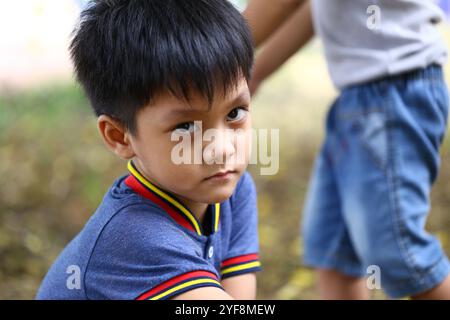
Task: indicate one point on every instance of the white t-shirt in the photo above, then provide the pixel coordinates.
(366, 40)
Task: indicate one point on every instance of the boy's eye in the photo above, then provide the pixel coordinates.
(237, 114)
(186, 127)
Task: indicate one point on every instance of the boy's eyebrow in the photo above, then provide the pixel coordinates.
(175, 113)
(244, 95)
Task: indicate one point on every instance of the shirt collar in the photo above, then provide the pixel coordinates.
(180, 213)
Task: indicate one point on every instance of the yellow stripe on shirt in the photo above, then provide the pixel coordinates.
(182, 286)
(241, 267)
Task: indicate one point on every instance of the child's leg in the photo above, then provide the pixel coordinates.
(326, 241)
(387, 159)
(441, 292)
(334, 285)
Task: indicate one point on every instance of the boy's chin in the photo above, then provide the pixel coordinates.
(219, 194)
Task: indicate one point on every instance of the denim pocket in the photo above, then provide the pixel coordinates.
(370, 132)
(374, 137)
(362, 119)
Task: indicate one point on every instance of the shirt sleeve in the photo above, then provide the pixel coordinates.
(143, 255)
(243, 250)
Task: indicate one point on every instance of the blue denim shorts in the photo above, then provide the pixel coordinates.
(368, 198)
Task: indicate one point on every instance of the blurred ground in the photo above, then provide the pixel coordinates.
(54, 171)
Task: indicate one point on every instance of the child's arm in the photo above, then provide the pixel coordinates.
(287, 40)
(241, 287)
(205, 293)
(265, 16)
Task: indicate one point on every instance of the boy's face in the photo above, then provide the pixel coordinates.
(154, 152)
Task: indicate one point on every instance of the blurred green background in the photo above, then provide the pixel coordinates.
(54, 171)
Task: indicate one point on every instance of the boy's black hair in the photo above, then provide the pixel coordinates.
(127, 51)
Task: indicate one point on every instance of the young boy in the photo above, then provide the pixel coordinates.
(369, 195)
(151, 69)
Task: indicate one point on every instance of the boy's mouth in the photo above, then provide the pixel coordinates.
(222, 175)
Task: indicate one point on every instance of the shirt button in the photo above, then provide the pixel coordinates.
(211, 252)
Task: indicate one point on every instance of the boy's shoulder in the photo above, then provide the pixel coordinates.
(125, 212)
(244, 193)
(245, 185)
(125, 228)
(128, 221)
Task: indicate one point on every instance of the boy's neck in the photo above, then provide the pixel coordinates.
(197, 208)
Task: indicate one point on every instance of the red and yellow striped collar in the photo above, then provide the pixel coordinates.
(180, 213)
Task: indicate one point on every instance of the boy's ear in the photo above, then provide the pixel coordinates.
(115, 136)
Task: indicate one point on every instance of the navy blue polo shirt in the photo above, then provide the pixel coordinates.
(143, 243)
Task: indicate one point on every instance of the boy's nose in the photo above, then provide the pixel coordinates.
(222, 148)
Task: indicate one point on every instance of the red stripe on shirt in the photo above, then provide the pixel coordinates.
(240, 259)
